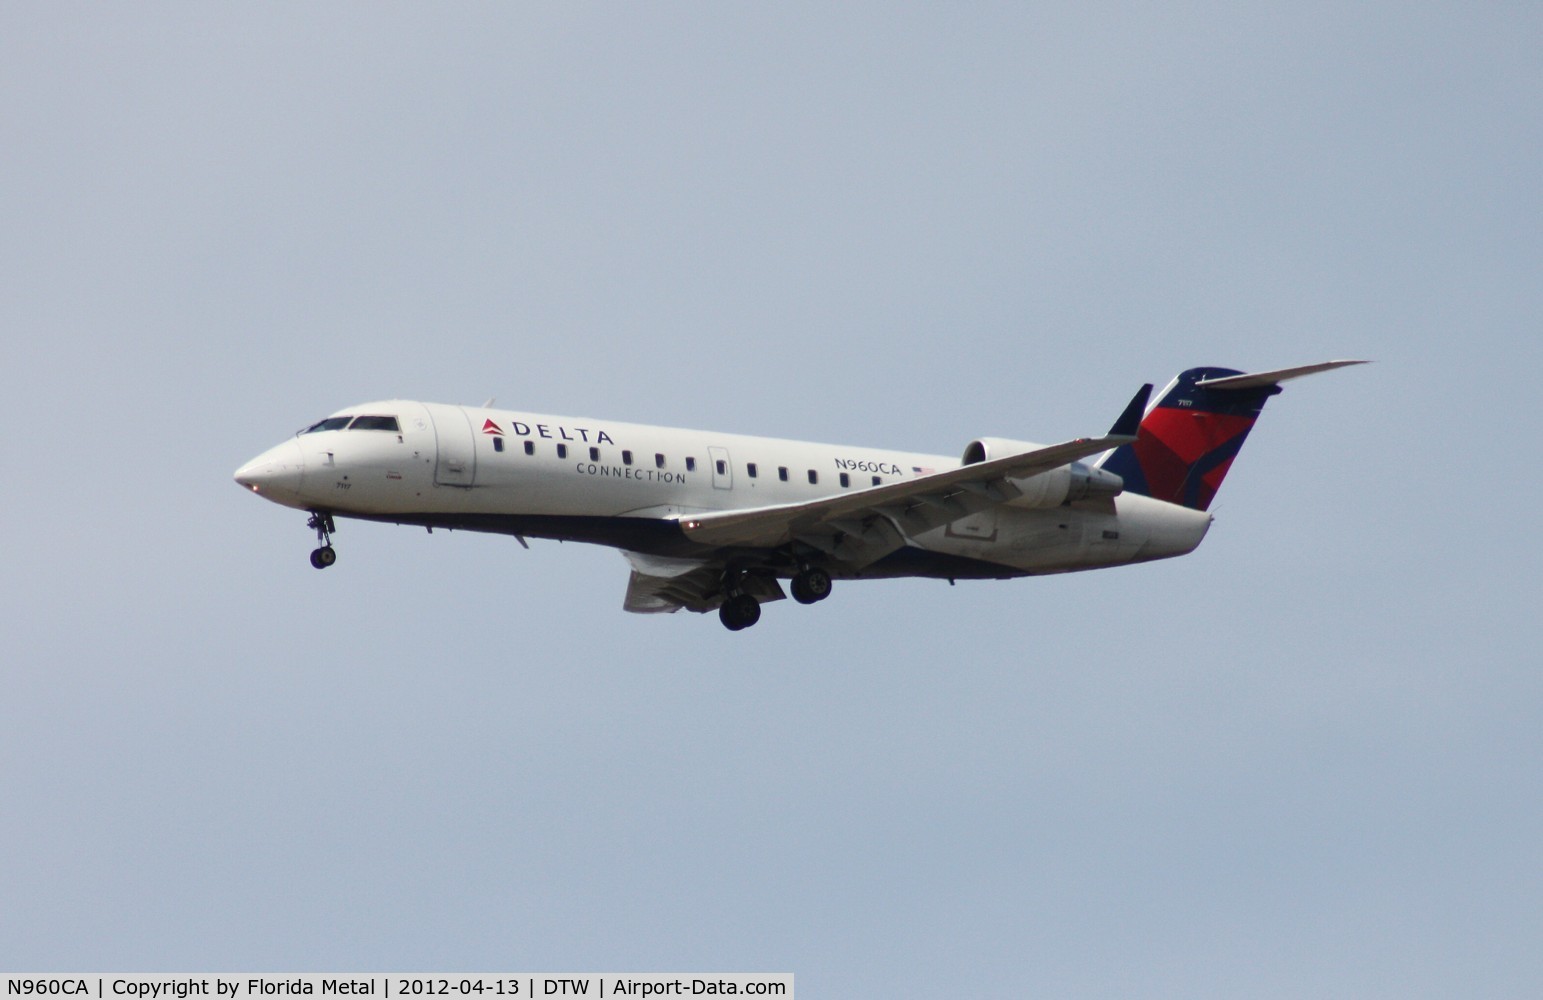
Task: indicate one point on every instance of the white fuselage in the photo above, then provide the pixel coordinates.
(626, 485)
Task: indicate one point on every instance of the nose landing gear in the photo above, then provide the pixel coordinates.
(325, 555)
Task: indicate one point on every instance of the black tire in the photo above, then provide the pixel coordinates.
(323, 557)
(739, 612)
(811, 586)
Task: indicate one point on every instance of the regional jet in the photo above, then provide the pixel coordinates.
(712, 521)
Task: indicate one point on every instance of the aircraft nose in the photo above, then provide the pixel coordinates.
(276, 474)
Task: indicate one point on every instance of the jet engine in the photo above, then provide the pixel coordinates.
(1068, 483)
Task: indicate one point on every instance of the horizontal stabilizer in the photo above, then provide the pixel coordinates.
(1259, 380)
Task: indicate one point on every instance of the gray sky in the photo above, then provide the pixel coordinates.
(1305, 760)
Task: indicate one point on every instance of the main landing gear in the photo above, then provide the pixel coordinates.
(810, 585)
(741, 610)
(325, 555)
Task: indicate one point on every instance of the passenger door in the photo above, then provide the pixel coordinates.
(456, 460)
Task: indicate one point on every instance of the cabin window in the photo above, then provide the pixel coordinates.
(721, 466)
(375, 424)
(658, 461)
(877, 480)
(626, 458)
(330, 424)
(846, 480)
(594, 454)
(750, 468)
(690, 464)
(498, 444)
(530, 447)
(562, 451)
(782, 473)
(814, 477)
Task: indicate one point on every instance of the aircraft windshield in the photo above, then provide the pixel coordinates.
(330, 424)
(374, 424)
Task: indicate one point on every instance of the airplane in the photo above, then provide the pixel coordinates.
(712, 521)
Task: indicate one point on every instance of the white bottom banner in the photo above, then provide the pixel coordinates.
(470, 986)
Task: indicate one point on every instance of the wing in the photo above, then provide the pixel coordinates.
(660, 584)
(863, 526)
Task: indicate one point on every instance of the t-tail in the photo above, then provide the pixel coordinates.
(1188, 440)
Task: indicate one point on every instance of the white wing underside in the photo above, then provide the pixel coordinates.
(660, 584)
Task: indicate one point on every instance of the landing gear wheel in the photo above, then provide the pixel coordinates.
(322, 524)
(739, 612)
(811, 585)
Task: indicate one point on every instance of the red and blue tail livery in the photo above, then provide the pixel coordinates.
(1187, 441)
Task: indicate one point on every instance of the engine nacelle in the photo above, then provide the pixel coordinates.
(1076, 481)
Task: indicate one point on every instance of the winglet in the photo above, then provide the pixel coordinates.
(1130, 421)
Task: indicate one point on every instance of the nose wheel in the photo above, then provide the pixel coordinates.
(324, 555)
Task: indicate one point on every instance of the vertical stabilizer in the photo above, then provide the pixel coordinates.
(1188, 440)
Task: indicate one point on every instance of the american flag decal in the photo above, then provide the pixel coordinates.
(918, 470)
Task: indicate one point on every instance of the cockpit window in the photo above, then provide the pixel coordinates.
(375, 424)
(330, 424)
